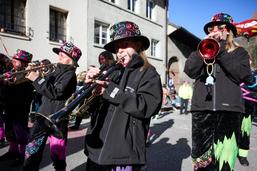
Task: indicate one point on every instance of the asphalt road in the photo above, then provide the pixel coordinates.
(169, 149)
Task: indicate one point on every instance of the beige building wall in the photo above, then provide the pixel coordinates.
(82, 15)
(37, 22)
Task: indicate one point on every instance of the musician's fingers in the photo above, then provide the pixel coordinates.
(93, 70)
(29, 67)
(33, 75)
(98, 91)
(102, 83)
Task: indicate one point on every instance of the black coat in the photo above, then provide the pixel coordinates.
(17, 100)
(118, 130)
(56, 88)
(230, 69)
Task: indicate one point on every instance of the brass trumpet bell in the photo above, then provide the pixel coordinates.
(208, 48)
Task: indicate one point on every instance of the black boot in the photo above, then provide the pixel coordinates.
(243, 161)
(9, 156)
(3, 143)
(18, 161)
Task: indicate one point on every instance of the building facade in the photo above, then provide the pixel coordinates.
(180, 44)
(38, 26)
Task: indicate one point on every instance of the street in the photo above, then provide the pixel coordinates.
(169, 149)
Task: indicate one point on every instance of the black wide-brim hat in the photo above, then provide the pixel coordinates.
(126, 30)
(221, 18)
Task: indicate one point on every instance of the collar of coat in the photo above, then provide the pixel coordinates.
(135, 62)
(65, 66)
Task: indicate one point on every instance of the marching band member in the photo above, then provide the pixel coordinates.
(217, 102)
(128, 100)
(5, 66)
(55, 89)
(17, 99)
(250, 100)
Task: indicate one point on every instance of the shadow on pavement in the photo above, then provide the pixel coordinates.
(158, 128)
(168, 156)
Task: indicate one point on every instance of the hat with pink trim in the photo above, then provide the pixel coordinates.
(71, 50)
(23, 55)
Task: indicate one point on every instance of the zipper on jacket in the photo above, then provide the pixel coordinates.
(214, 87)
(133, 136)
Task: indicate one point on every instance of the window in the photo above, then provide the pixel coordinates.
(100, 36)
(131, 5)
(58, 24)
(12, 17)
(154, 47)
(149, 9)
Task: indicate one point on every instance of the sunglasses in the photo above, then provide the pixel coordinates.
(219, 27)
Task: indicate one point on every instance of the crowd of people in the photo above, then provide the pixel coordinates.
(127, 93)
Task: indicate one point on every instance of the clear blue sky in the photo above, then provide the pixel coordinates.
(194, 14)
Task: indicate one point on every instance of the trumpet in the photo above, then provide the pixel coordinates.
(8, 75)
(79, 96)
(208, 48)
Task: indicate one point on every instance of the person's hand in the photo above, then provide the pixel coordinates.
(8, 75)
(214, 35)
(219, 35)
(100, 88)
(91, 74)
(33, 74)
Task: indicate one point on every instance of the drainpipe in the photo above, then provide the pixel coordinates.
(166, 41)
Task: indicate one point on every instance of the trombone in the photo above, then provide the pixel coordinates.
(8, 75)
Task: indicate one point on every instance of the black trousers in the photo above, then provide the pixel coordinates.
(215, 137)
(183, 105)
(246, 125)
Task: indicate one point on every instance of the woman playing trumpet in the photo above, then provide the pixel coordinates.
(217, 104)
(17, 99)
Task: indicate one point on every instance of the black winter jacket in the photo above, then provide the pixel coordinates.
(230, 69)
(56, 88)
(17, 100)
(118, 131)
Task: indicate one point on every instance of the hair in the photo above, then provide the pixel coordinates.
(231, 44)
(81, 76)
(143, 55)
(109, 59)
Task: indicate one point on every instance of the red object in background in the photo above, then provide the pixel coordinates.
(247, 28)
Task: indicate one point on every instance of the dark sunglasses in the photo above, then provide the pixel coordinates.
(220, 28)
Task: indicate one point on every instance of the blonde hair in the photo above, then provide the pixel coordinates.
(231, 44)
(146, 62)
(143, 55)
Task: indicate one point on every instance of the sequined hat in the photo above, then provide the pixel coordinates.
(126, 30)
(23, 55)
(71, 50)
(221, 18)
